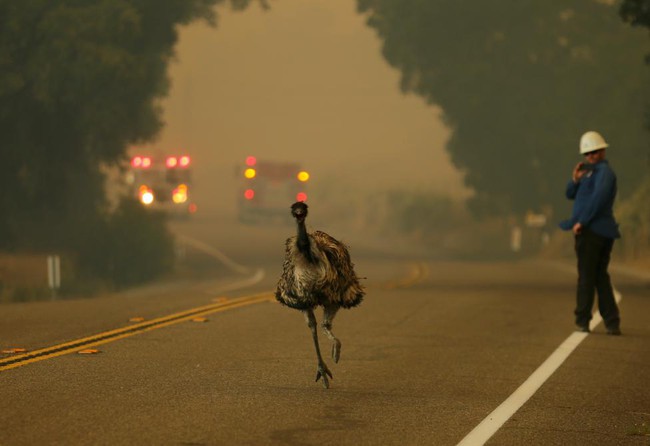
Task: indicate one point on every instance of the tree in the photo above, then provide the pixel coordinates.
(80, 81)
(636, 12)
(518, 83)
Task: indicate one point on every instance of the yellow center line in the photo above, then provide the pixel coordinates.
(418, 272)
(125, 332)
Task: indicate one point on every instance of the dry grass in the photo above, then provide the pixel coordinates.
(23, 269)
(22, 276)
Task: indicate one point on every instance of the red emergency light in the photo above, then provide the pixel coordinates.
(177, 161)
(141, 162)
(249, 194)
(251, 161)
(301, 196)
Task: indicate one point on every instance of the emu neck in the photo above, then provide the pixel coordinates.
(303, 243)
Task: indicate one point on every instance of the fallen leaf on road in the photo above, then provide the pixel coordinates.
(88, 351)
(12, 351)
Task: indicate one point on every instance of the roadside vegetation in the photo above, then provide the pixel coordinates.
(634, 217)
(444, 227)
(81, 82)
(128, 246)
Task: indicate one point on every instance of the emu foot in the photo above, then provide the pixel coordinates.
(323, 372)
(336, 350)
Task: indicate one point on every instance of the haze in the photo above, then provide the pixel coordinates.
(304, 82)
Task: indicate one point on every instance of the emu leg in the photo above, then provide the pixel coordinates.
(322, 370)
(328, 316)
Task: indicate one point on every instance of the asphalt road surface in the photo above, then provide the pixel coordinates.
(437, 346)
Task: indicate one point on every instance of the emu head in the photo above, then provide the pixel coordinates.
(299, 211)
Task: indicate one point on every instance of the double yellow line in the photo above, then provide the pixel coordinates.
(418, 272)
(125, 332)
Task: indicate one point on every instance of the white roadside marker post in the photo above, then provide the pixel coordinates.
(54, 274)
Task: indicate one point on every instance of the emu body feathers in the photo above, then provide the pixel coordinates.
(318, 271)
(326, 277)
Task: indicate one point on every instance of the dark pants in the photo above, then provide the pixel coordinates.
(593, 252)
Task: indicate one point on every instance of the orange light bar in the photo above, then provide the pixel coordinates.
(179, 195)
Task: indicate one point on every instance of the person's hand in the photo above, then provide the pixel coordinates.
(577, 172)
(577, 228)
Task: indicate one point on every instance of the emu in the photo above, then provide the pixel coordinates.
(317, 271)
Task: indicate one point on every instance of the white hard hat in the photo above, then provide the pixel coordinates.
(591, 141)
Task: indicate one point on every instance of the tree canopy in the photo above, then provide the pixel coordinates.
(518, 83)
(636, 12)
(80, 81)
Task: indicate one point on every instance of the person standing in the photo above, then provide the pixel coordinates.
(593, 191)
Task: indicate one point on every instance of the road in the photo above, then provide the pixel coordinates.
(434, 349)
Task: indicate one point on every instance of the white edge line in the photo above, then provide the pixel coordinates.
(201, 246)
(493, 422)
(255, 278)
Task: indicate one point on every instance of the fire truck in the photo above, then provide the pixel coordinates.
(162, 182)
(268, 188)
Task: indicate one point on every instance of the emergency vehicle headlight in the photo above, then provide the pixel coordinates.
(147, 198)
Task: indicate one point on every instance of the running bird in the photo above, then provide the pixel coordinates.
(317, 271)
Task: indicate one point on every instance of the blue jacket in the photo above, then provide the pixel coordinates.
(594, 198)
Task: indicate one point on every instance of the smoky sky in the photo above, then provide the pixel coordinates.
(303, 82)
